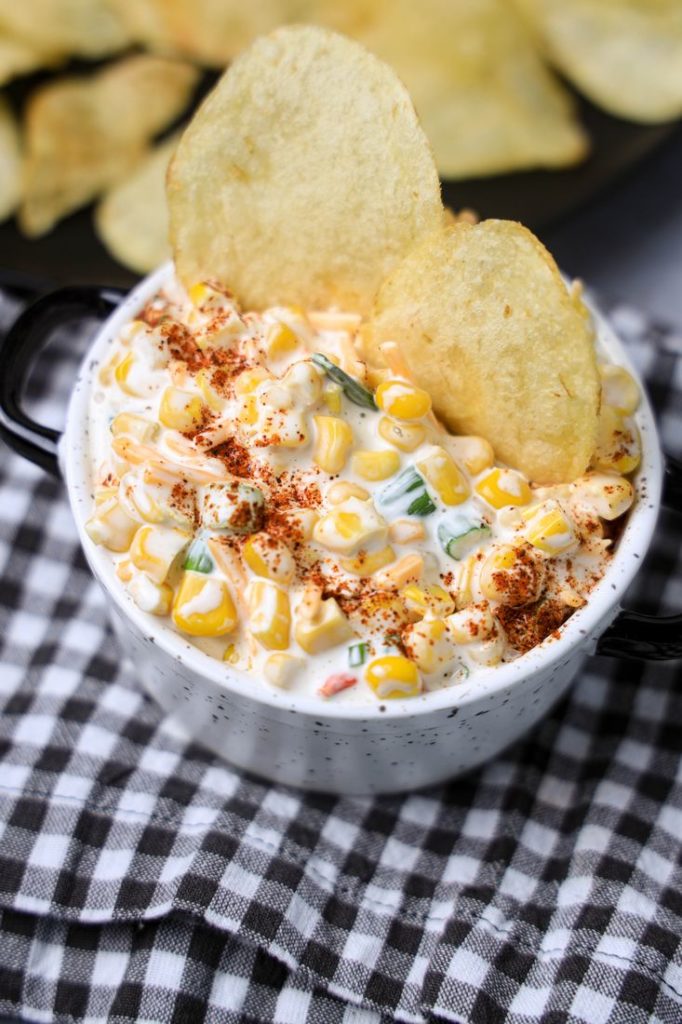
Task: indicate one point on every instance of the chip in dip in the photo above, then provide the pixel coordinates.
(489, 328)
(309, 156)
(294, 511)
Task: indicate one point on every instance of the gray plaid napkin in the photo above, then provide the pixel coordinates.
(143, 880)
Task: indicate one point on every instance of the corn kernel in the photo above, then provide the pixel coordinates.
(344, 489)
(280, 341)
(112, 527)
(431, 599)
(247, 412)
(129, 378)
(405, 436)
(284, 429)
(338, 531)
(180, 410)
(407, 569)
(403, 401)
(549, 529)
(155, 548)
(606, 496)
(444, 476)
(213, 399)
(332, 398)
(304, 382)
(488, 652)
(248, 380)
(377, 375)
(328, 628)
(269, 614)
(153, 598)
(220, 332)
(404, 531)
(134, 426)
(333, 441)
(512, 576)
(367, 563)
(124, 570)
(280, 669)
(429, 645)
(618, 389)
(105, 494)
(310, 604)
(471, 624)
(502, 487)
(352, 525)
(393, 676)
(375, 465)
(139, 500)
(618, 443)
(269, 557)
(474, 453)
(231, 654)
(203, 606)
(465, 574)
(303, 521)
(204, 296)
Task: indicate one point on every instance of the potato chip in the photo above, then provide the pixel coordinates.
(85, 134)
(215, 31)
(86, 27)
(304, 177)
(489, 328)
(625, 55)
(10, 162)
(485, 99)
(132, 219)
(148, 22)
(19, 58)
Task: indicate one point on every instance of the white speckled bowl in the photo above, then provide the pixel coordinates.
(379, 747)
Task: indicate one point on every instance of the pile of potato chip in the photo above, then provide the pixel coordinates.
(480, 72)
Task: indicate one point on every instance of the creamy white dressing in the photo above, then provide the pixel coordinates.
(152, 374)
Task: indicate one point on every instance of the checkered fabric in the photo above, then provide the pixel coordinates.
(143, 880)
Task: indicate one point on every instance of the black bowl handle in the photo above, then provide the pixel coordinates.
(18, 350)
(648, 637)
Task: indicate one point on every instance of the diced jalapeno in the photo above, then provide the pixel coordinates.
(459, 536)
(357, 655)
(198, 558)
(353, 390)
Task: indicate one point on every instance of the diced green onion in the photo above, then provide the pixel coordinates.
(408, 492)
(400, 485)
(353, 390)
(421, 506)
(357, 655)
(198, 558)
(458, 537)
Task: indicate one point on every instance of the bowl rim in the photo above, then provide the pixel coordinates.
(579, 631)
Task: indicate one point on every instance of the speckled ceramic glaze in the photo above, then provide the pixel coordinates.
(376, 748)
